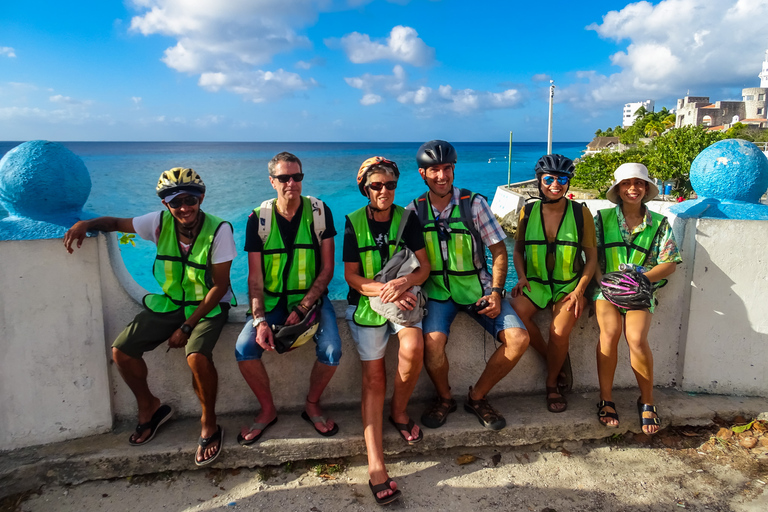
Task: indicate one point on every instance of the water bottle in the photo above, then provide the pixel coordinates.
(623, 267)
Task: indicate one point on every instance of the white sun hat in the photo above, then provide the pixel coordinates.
(628, 171)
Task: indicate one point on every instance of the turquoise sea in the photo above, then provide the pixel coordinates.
(124, 175)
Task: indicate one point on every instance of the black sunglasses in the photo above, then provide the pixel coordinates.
(285, 178)
(378, 185)
(187, 200)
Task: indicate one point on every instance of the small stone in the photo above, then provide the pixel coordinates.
(748, 442)
(764, 441)
(725, 433)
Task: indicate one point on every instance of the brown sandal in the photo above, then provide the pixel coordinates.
(556, 400)
(486, 414)
(437, 413)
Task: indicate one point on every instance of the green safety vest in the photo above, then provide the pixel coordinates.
(185, 278)
(456, 277)
(546, 288)
(289, 275)
(370, 259)
(615, 250)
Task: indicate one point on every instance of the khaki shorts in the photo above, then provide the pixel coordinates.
(149, 330)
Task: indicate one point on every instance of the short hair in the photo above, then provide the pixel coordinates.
(381, 168)
(282, 157)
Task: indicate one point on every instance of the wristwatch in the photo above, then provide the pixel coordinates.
(501, 291)
(258, 320)
(186, 329)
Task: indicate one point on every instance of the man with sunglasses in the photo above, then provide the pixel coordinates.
(194, 254)
(458, 225)
(290, 248)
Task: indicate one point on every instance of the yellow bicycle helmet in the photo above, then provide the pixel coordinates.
(179, 179)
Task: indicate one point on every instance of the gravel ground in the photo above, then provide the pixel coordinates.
(710, 469)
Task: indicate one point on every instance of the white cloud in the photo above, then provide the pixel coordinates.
(256, 86)
(136, 101)
(225, 41)
(540, 77)
(676, 46)
(7, 51)
(66, 100)
(425, 100)
(402, 45)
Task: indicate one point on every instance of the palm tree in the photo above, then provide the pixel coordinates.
(654, 128)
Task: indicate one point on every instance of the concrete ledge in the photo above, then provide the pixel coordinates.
(528, 423)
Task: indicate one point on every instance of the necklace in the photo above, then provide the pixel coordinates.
(189, 232)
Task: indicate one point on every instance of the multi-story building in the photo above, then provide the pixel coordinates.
(629, 116)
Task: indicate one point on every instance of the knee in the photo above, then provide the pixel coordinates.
(119, 357)
(329, 351)
(198, 362)
(515, 340)
(412, 348)
(638, 343)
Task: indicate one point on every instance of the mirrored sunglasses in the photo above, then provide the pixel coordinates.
(186, 200)
(561, 180)
(378, 185)
(285, 178)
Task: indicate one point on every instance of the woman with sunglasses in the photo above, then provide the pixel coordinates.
(551, 235)
(370, 238)
(630, 233)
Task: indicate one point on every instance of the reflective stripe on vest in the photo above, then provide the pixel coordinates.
(546, 288)
(456, 277)
(370, 259)
(615, 250)
(184, 278)
(289, 275)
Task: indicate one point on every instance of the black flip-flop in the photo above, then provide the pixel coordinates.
(407, 427)
(255, 426)
(161, 415)
(386, 500)
(320, 419)
(203, 442)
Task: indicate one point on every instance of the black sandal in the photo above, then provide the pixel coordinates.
(407, 427)
(556, 400)
(602, 413)
(161, 415)
(386, 500)
(647, 422)
(203, 442)
(486, 414)
(438, 412)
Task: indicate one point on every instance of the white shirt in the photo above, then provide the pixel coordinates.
(223, 250)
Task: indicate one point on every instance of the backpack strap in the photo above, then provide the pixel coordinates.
(265, 219)
(318, 218)
(465, 210)
(401, 227)
(421, 205)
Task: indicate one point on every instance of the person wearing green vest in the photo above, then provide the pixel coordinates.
(194, 254)
(630, 233)
(458, 225)
(551, 236)
(370, 240)
(290, 263)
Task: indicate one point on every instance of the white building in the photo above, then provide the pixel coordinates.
(630, 108)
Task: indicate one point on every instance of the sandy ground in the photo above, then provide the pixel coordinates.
(678, 470)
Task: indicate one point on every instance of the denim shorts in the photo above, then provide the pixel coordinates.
(372, 341)
(441, 314)
(327, 339)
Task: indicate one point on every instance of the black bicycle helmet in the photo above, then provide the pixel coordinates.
(627, 289)
(554, 164)
(435, 152)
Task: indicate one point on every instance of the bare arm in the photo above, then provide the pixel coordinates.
(499, 277)
(575, 297)
(320, 284)
(661, 271)
(78, 231)
(353, 276)
(393, 289)
(256, 296)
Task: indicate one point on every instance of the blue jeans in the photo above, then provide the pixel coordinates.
(440, 316)
(327, 339)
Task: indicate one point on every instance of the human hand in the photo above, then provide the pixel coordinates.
(76, 233)
(406, 302)
(493, 308)
(575, 302)
(292, 319)
(522, 282)
(178, 339)
(264, 336)
(393, 289)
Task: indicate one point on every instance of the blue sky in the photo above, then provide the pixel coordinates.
(361, 70)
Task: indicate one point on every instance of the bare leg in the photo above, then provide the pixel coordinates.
(514, 343)
(557, 349)
(610, 322)
(525, 309)
(637, 325)
(374, 388)
(134, 373)
(409, 363)
(436, 362)
(318, 380)
(256, 377)
(205, 380)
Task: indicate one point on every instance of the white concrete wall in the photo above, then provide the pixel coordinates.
(727, 336)
(53, 373)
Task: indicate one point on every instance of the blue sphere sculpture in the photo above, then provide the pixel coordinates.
(731, 169)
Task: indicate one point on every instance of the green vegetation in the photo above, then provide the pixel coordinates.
(668, 155)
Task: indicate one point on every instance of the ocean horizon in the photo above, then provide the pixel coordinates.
(124, 175)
